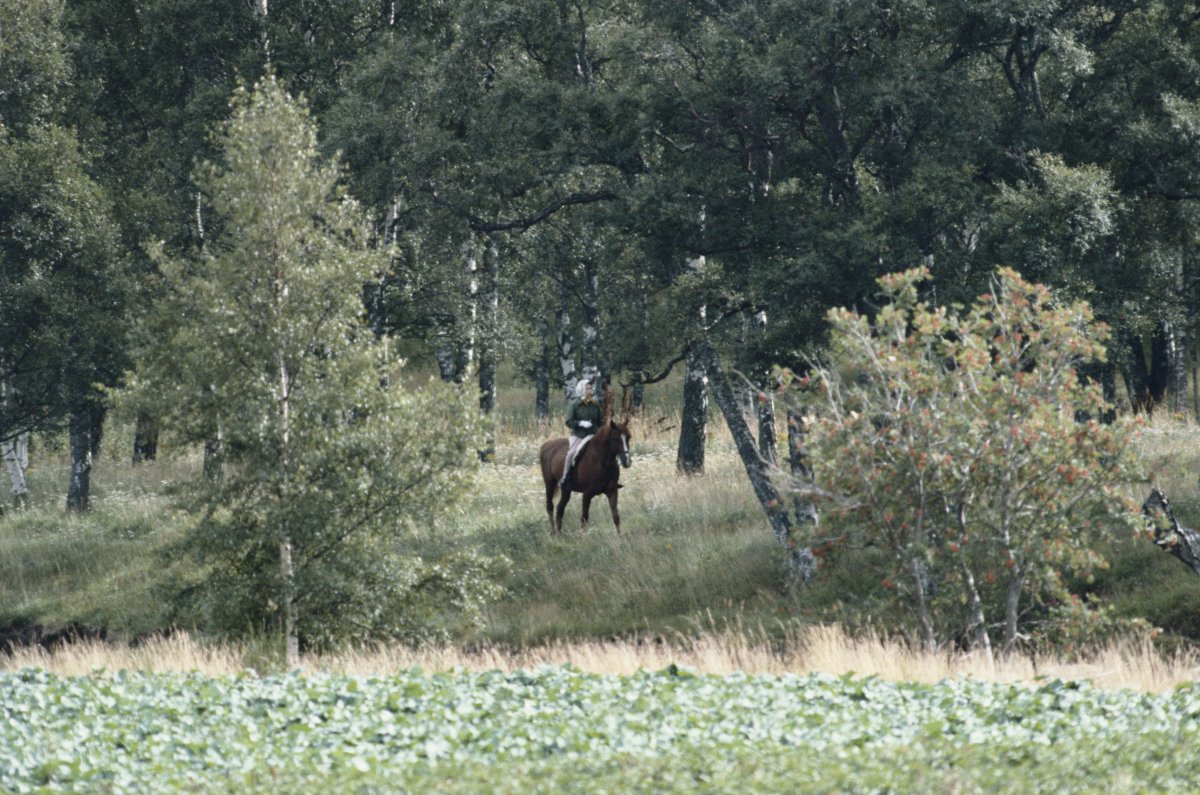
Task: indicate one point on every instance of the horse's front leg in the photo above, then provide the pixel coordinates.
(550, 488)
(587, 502)
(612, 506)
(562, 506)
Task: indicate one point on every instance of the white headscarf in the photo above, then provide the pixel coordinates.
(581, 388)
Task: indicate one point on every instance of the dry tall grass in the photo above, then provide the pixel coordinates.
(809, 649)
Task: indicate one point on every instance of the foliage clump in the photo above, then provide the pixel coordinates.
(965, 442)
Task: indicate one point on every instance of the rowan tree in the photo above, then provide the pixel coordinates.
(964, 441)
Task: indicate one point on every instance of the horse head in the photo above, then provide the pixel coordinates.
(618, 442)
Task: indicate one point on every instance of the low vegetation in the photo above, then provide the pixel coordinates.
(559, 729)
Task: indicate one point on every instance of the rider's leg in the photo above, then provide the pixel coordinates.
(568, 460)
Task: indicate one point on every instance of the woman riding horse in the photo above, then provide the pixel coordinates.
(598, 468)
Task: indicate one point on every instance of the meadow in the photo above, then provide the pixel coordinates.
(666, 658)
(696, 564)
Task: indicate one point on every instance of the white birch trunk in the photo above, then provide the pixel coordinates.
(589, 344)
(16, 460)
(287, 565)
(1177, 357)
(472, 265)
(693, 421)
(262, 11)
(199, 220)
(767, 446)
(566, 348)
(489, 329)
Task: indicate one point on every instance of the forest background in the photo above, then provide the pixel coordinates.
(609, 189)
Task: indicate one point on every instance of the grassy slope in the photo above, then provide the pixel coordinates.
(695, 553)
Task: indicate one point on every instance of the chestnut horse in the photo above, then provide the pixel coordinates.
(595, 472)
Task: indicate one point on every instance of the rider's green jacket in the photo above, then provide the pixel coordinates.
(580, 410)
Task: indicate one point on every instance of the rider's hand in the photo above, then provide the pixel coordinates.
(585, 423)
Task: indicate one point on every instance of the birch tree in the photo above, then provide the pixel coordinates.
(265, 337)
(16, 461)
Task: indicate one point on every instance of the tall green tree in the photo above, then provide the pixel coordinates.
(63, 277)
(264, 338)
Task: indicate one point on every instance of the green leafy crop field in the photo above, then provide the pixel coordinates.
(561, 730)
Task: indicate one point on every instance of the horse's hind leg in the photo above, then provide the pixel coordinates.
(562, 506)
(587, 503)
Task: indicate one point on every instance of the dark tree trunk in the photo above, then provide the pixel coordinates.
(85, 431)
(690, 457)
(1108, 383)
(839, 168)
(800, 561)
(212, 455)
(766, 429)
(447, 362)
(1160, 364)
(1194, 353)
(1135, 373)
(145, 439)
(641, 354)
(455, 351)
(1105, 374)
